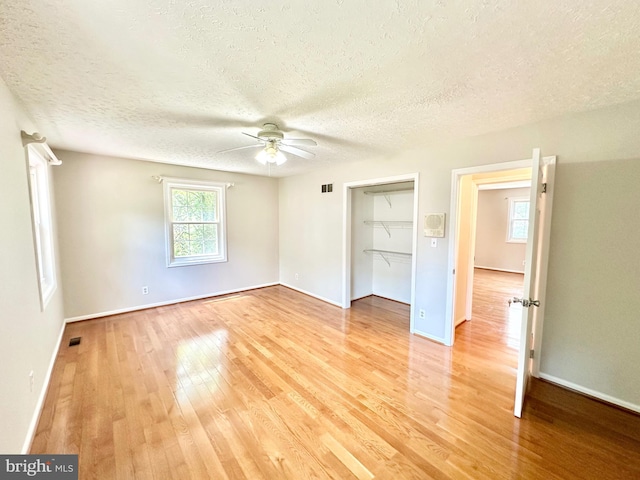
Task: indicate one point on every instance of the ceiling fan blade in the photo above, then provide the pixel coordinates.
(297, 151)
(240, 148)
(253, 136)
(299, 141)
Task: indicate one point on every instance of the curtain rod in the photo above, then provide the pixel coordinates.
(35, 137)
(160, 179)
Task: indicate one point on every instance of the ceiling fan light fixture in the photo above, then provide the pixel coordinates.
(272, 144)
(263, 157)
(271, 149)
(279, 158)
(271, 154)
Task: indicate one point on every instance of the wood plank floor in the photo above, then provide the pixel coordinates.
(273, 384)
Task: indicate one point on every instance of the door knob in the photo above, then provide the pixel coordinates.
(525, 302)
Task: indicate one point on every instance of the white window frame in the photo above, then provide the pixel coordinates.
(510, 220)
(42, 224)
(198, 185)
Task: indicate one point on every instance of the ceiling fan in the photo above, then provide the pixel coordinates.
(272, 142)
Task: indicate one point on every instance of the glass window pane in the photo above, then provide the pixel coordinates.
(196, 233)
(195, 209)
(520, 210)
(210, 247)
(520, 229)
(195, 239)
(198, 206)
(210, 207)
(210, 239)
(195, 223)
(42, 226)
(181, 249)
(180, 240)
(178, 197)
(179, 229)
(180, 214)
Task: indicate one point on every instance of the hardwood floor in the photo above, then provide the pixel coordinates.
(274, 384)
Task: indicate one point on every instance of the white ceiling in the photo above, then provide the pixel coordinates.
(177, 81)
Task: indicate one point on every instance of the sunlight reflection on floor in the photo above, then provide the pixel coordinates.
(199, 363)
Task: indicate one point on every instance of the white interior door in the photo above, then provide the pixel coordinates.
(535, 270)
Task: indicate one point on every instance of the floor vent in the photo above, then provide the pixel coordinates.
(74, 341)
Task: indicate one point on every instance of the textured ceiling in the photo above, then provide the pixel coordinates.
(177, 81)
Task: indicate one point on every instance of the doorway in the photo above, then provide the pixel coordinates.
(464, 199)
(486, 235)
(534, 282)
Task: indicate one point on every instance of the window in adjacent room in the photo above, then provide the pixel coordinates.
(518, 228)
(195, 222)
(42, 225)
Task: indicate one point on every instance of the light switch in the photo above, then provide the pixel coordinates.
(434, 242)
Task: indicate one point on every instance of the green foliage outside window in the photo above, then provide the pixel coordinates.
(195, 231)
(519, 220)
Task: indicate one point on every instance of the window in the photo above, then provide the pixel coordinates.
(518, 220)
(42, 224)
(195, 222)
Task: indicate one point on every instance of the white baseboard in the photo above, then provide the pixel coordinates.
(591, 393)
(361, 297)
(337, 304)
(43, 393)
(429, 336)
(499, 269)
(459, 321)
(162, 304)
(388, 297)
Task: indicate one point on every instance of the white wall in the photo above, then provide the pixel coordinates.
(492, 249)
(578, 140)
(28, 336)
(361, 238)
(314, 251)
(592, 327)
(393, 281)
(112, 237)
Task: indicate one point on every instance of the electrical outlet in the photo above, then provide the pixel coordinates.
(421, 313)
(32, 380)
(145, 290)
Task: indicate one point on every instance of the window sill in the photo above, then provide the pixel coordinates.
(195, 261)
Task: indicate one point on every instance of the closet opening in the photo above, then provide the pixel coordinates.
(380, 225)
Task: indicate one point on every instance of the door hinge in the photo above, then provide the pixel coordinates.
(454, 271)
(531, 353)
(544, 187)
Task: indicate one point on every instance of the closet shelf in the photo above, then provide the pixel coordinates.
(387, 193)
(389, 224)
(387, 254)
